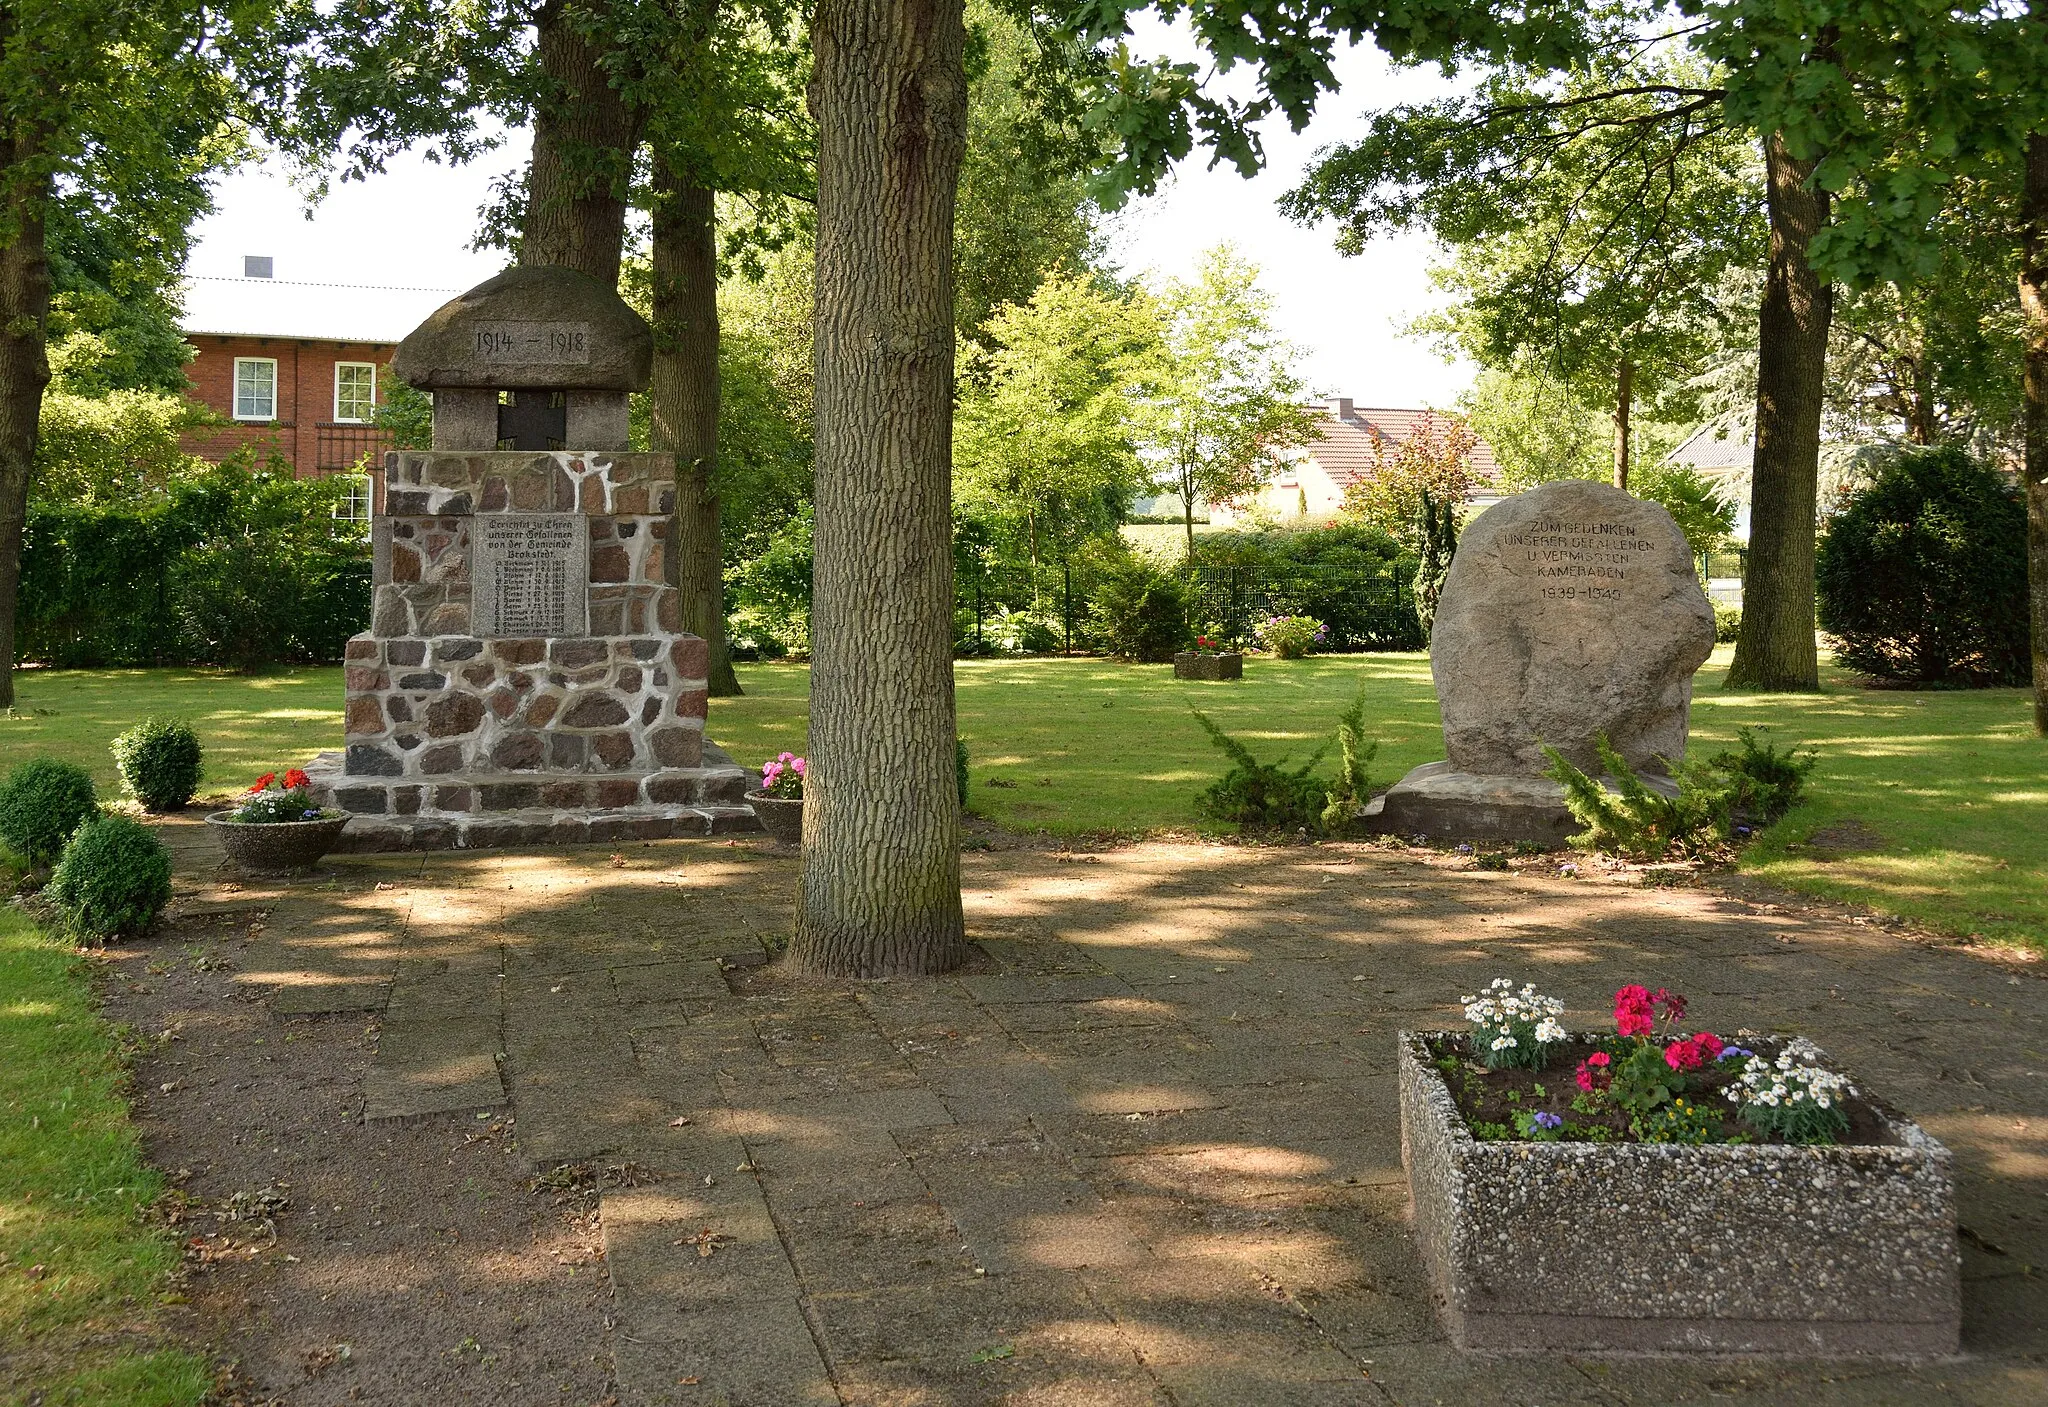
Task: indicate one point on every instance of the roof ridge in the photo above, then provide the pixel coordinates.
(314, 283)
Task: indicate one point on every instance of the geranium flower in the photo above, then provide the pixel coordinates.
(263, 781)
(1670, 1003)
(296, 778)
(1710, 1045)
(1593, 1072)
(1632, 1011)
(1683, 1055)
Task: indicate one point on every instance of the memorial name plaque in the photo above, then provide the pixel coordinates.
(530, 574)
(533, 343)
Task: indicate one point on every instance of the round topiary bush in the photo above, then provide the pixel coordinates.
(113, 879)
(41, 803)
(159, 761)
(1923, 575)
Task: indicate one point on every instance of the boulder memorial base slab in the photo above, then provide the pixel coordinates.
(1570, 612)
(525, 677)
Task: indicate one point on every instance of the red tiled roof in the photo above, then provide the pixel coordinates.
(1344, 447)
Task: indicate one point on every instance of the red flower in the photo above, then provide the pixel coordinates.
(296, 778)
(263, 781)
(1592, 1073)
(1670, 1003)
(1710, 1044)
(1682, 1055)
(1632, 1011)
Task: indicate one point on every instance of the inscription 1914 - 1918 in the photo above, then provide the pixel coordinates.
(533, 343)
(1578, 562)
(529, 574)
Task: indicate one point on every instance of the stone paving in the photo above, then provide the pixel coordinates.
(1148, 1153)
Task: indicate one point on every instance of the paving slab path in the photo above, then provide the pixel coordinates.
(1146, 1152)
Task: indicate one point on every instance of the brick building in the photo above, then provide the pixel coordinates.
(298, 367)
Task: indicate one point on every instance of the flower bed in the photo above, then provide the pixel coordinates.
(1652, 1192)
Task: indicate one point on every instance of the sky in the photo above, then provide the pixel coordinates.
(411, 226)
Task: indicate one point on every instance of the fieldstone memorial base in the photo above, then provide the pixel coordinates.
(1661, 1248)
(1439, 803)
(485, 810)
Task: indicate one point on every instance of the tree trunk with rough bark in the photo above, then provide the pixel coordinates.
(2034, 306)
(880, 887)
(682, 401)
(584, 137)
(1624, 397)
(24, 371)
(1775, 650)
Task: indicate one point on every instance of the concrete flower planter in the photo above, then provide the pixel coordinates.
(1728, 1248)
(1194, 664)
(276, 847)
(782, 817)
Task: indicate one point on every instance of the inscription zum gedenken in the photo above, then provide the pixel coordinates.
(530, 574)
(533, 343)
(1577, 561)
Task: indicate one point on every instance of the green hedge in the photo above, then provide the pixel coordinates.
(230, 567)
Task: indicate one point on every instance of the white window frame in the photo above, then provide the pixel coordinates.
(369, 419)
(355, 505)
(235, 389)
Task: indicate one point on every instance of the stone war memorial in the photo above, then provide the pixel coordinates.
(525, 677)
(1571, 612)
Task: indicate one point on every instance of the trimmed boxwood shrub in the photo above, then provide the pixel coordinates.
(1923, 576)
(41, 803)
(113, 879)
(159, 761)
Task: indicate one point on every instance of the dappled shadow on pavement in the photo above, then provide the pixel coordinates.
(1146, 1151)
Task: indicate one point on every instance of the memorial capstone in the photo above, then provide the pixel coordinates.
(1571, 612)
(525, 676)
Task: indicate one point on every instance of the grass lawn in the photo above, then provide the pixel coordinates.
(247, 723)
(1954, 784)
(80, 1271)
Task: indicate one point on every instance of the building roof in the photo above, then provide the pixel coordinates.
(1343, 446)
(1709, 449)
(326, 312)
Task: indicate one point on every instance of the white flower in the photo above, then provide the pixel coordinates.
(1548, 1031)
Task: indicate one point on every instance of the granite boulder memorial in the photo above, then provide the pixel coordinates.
(1572, 611)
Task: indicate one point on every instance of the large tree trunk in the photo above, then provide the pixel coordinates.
(1624, 402)
(682, 402)
(1775, 649)
(880, 889)
(584, 136)
(2034, 305)
(24, 371)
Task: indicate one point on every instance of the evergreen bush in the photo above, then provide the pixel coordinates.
(1261, 796)
(159, 760)
(1923, 576)
(1637, 822)
(113, 879)
(1140, 611)
(41, 803)
(1763, 783)
(1346, 798)
(1727, 624)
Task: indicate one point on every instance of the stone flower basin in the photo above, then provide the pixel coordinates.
(1826, 1251)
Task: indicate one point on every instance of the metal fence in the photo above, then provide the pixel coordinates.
(1051, 609)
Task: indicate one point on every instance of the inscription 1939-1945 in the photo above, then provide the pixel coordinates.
(533, 343)
(1577, 561)
(529, 574)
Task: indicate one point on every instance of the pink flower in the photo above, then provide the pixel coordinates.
(1670, 1004)
(1592, 1073)
(1710, 1045)
(1633, 1012)
(1682, 1055)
